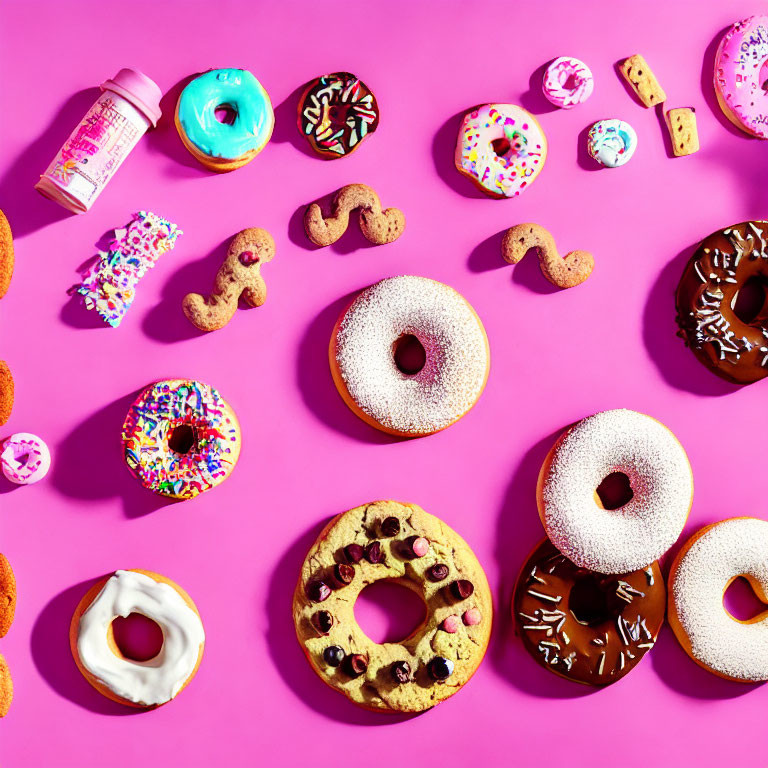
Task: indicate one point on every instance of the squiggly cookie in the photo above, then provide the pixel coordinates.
(6, 255)
(380, 227)
(6, 687)
(238, 276)
(7, 596)
(6, 392)
(563, 272)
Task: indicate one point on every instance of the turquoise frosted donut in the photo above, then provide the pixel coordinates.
(218, 145)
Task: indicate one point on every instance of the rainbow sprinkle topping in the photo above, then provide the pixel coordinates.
(148, 434)
(109, 284)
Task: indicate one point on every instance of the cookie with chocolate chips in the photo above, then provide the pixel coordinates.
(402, 543)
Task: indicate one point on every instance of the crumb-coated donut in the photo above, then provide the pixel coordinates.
(142, 684)
(403, 543)
(365, 371)
(6, 687)
(701, 573)
(586, 626)
(7, 595)
(660, 479)
(6, 255)
(6, 392)
(180, 438)
(336, 112)
(735, 349)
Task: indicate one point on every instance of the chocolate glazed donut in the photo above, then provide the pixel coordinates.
(734, 348)
(583, 625)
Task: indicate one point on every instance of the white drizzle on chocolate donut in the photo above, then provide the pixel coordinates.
(708, 324)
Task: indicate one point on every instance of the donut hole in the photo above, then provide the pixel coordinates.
(22, 460)
(182, 438)
(571, 83)
(592, 602)
(388, 611)
(409, 353)
(225, 113)
(741, 602)
(763, 76)
(137, 637)
(749, 301)
(614, 491)
(501, 146)
(337, 115)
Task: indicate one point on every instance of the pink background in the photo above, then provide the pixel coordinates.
(557, 356)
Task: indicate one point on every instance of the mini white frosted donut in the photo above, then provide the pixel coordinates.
(567, 82)
(710, 560)
(632, 537)
(25, 458)
(146, 683)
(363, 363)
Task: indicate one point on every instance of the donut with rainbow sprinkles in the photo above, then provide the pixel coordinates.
(180, 438)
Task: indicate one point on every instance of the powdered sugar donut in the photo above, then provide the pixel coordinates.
(502, 148)
(739, 75)
(706, 565)
(611, 142)
(25, 458)
(364, 347)
(659, 476)
(567, 82)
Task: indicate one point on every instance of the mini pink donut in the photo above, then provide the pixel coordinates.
(738, 82)
(567, 82)
(25, 458)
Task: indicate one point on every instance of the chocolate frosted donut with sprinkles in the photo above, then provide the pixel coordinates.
(586, 626)
(622, 534)
(336, 112)
(409, 356)
(728, 335)
(702, 571)
(180, 438)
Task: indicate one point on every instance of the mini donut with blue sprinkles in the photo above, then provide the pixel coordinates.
(225, 118)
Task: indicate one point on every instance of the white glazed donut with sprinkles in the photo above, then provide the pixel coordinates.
(645, 527)
(364, 367)
(501, 148)
(705, 567)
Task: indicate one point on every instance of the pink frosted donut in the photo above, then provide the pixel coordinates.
(501, 148)
(567, 82)
(740, 71)
(25, 458)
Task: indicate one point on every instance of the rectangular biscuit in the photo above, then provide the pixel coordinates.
(639, 75)
(681, 124)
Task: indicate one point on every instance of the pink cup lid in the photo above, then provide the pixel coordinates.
(137, 88)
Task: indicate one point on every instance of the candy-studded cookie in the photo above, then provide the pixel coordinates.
(336, 112)
(400, 542)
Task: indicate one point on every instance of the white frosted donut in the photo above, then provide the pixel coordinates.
(363, 361)
(145, 683)
(25, 458)
(710, 560)
(656, 465)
